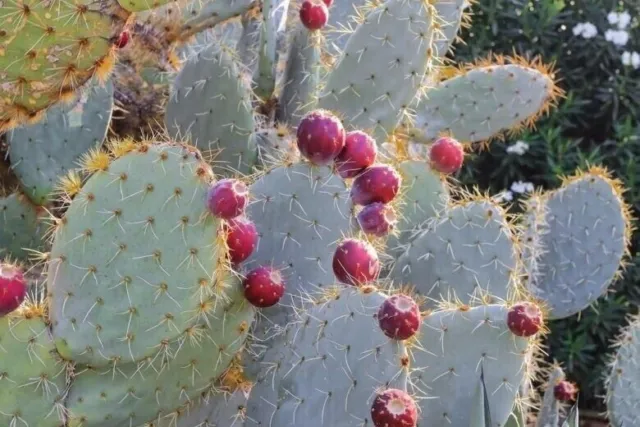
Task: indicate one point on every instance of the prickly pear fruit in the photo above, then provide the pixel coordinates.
(446, 155)
(241, 238)
(314, 14)
(524, 319)
(123, 39)
(359, 153)
(320, 136)
(13, 288)
(355, 262)
(377, 219)
(399, 317)
(379, 183)
(227, 198)
(394, 408)
(328, 2)
(565, 391)
(263, 286)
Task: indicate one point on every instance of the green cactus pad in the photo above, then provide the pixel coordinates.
(42, 153)
(381, 68)
(450, 15)
(424, 196)
(622, 383)
(265, 73)
(49, 49)
(249, 40)
(33, 376)
(135, 260)
(300, 212)
(156, 387)
(21, 227)
(211, 105)
(468, 252)
(549, 414)
(583, 239)
(140, 5)
(481, 102)
(445, 373)
(301, 76)
(335, 360)
(276, 145)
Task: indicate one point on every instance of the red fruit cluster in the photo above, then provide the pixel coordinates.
(446, 155)
(13, 288)
(314, 14)
(565, 391)
(394, 408)
(355, 262)
(524, 319)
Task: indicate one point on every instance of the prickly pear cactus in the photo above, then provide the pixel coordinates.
(23, 227)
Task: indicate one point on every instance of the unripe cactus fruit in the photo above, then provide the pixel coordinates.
(399, 317)
(227, 198)
(241, 236)
(565, 391)
(123, 39)
(263, 286)
(13, 288)
(355, 262)
(377, 219)
(379, 183)
(314, 14)
(359, 153)
(394, 408)
(320, 136)
(524, 319)
(446, 155)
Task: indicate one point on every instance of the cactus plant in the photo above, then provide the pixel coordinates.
(157, 310)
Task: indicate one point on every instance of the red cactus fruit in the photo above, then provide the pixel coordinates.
(377, 219)
(328, 3)
(524, 319)
(227, 198)
(565, 391)
(399, 317)
(13, 288)
(242, 237)
(355, 262)
(263, 286)
(379, 183)
(394, 408)
(446, 155)
(320, 137)
(360, 151)
(123, 39)
(314, 14)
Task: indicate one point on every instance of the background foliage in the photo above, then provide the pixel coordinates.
(598, 122)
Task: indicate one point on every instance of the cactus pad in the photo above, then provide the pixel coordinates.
(335, 360)
(211, 106)
(583, 239)
(396, 35)
(468, 251)
(135, 261)
(34, 378)
(48, 50)
(479, 103)
(44, 152)
(448, 375)
(21, 227)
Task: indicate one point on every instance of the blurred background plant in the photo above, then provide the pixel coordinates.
(596, 47)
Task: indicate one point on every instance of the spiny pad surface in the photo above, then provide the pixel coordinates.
(44, 152)
(48, 48)
(135, 261)
(32, 375)
(622, 384)
(582, 242)
(21, 227)
(468, 251)
(448, 375)
(334, 360)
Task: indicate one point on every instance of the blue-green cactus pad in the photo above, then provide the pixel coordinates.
(21, 227)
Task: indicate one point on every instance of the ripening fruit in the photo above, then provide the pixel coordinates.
(565, 391)
(320, 137)
(355, 262)
(394, 408)
(399, 317)
(13, 288)
(227, 198)
(359, 152)
(242, 237)
(263, 286)
(123, 39)
(314, 14)
(379, 183)
(524, 319)
(377, 219)
(446, 155)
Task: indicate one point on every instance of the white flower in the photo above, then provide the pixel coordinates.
(519, 148)
(522, 187)
(589, 30)
(623, 20)
(505, 196)
(577, 30)
(626, 58)
(613, 18)
(617, 37)
(631, 58)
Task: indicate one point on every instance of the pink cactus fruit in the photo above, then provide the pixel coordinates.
(13, 288)
(355, 262)
(399, 317)
(524, 319)
(227, 198)
(394, 408)
(320, 136)
(377, 219)
(242, 237)
(379, 183)
(314, 14)
(263, 286)
(359, 152)
(446, 155)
